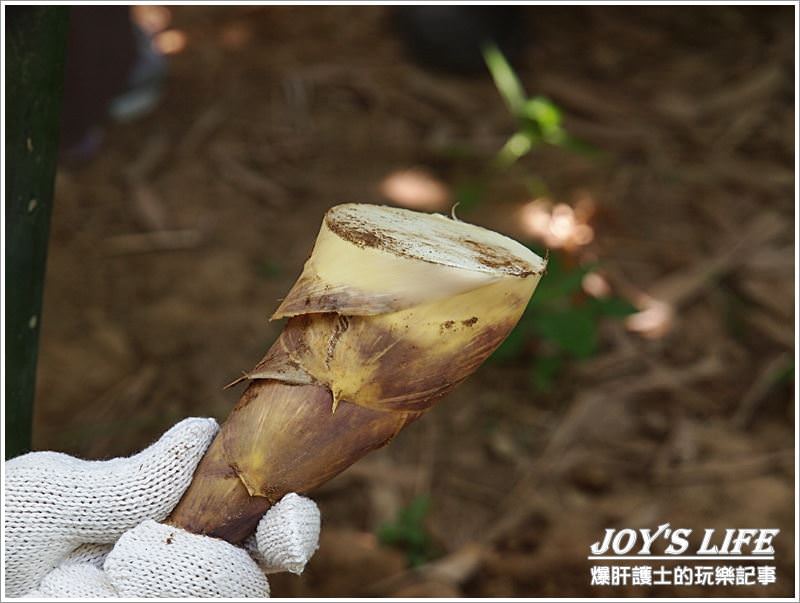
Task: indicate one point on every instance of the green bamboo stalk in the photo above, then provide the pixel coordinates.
(35, 49)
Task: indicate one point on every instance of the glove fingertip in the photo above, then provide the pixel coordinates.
(184, 444)
(193, 429)
(288, 534)
(149, 484)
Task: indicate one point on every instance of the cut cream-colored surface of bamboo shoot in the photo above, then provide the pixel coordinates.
(393, 309)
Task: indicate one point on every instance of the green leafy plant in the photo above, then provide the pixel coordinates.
(562, 319)
(407, 532)
(539, 120)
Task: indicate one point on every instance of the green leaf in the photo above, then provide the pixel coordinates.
(468, 194)
(505, 79)
(415, 512)
(408, 532)
(518, 145)
(574, 330)
(544, 112)
(554, 137)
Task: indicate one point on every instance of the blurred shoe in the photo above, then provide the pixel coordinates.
(145, 83)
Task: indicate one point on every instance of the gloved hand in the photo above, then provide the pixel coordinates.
(77, 528)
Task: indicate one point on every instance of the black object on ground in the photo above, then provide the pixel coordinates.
(450, 38)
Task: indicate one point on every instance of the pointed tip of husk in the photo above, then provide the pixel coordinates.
(243, 377)
(278, 364)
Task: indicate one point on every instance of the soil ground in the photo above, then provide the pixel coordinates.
(271, 115)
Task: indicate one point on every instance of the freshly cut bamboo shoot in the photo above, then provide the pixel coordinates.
(393, 309)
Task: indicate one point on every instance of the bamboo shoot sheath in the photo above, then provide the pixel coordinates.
(393, 309)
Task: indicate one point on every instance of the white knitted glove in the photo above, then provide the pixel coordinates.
(75, 528)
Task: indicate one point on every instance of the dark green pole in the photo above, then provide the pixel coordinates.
(35, 40)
